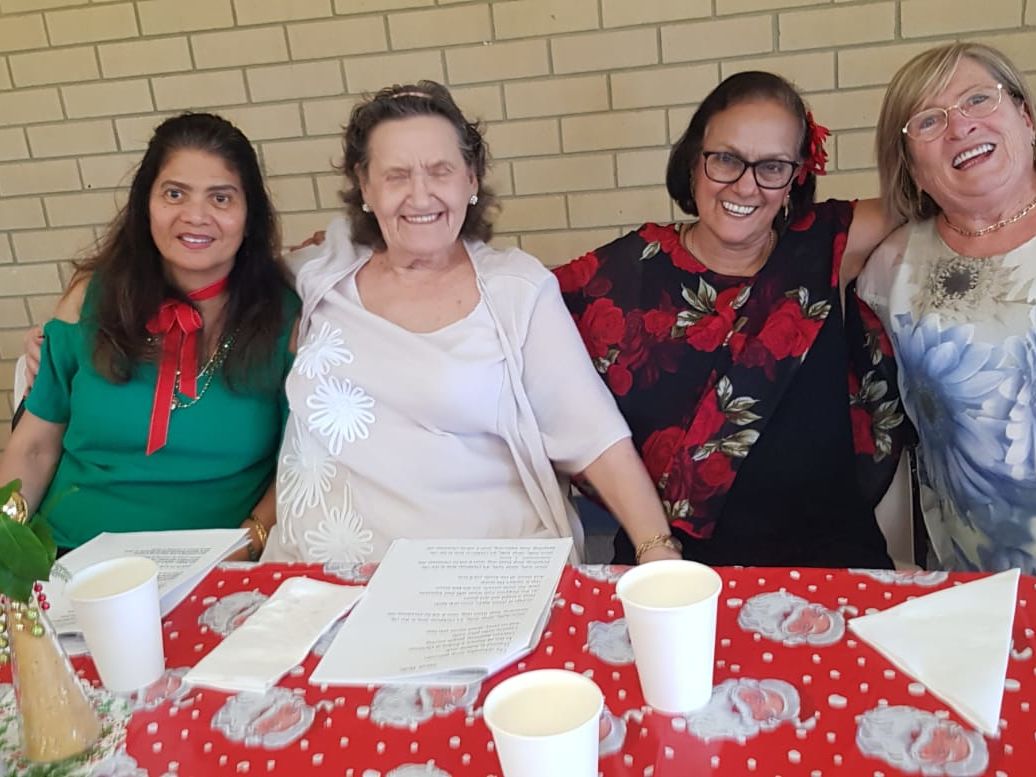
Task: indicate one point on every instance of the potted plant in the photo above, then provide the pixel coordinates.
(57, 719)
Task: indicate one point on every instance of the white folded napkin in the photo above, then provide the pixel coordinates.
(956, 642)
(276, 637)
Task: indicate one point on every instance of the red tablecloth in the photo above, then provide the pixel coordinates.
(795, 693)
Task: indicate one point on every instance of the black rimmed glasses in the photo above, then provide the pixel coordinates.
(976, 104)
(724, 167)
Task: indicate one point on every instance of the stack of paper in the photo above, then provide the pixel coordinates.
(183, 558)
(446, 612)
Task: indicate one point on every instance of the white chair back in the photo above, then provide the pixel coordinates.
(20, 380)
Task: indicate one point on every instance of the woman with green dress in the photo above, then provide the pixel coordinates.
(158, 403)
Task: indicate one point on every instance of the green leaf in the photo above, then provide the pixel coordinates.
(41, 529)
(14, 588)
(6, 491)
(24, 556)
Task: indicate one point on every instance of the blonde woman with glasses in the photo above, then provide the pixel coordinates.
(955, 289)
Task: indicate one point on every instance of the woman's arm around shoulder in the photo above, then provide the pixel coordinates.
(871, 224)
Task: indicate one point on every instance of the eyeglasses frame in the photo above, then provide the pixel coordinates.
(955, 106)
(747, 165)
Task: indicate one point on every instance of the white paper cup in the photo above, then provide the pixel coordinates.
(546, 723)
(670, 611)
(116, 604)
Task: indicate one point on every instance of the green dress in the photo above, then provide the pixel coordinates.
(219, 458)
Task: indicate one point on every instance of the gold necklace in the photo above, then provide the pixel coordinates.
(992, 227)
(770, 245)
(212, 366)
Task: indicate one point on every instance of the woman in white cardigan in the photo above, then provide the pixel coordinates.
(440, 387)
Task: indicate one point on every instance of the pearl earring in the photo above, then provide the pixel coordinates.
(473, 199)
(365, 208)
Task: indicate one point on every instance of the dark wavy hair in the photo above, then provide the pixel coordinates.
(739, 88)
(130, 281)
(401, 101)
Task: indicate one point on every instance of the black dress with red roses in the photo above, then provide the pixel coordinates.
(769, 421)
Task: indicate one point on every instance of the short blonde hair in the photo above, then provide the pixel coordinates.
(926, 74)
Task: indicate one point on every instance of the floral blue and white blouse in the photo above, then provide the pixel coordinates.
(964, 334)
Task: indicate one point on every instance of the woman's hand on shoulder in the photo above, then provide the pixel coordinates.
(32, 344)
(871, 224)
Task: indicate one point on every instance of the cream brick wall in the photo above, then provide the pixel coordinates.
(581, 99)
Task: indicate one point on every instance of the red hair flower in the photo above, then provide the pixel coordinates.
(816, 162)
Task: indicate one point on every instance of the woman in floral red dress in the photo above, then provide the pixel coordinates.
(767, 415)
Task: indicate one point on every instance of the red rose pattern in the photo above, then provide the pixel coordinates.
(788, 332)
(576, 274)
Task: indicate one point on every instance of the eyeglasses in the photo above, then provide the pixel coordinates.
(724, 167)
(930, 124)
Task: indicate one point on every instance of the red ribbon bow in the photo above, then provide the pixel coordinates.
(178, 324)
(816, 162)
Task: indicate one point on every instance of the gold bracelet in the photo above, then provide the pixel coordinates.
(262, 533)
(659, 540)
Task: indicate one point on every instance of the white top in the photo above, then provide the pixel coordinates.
(453, 433)
(964, 333)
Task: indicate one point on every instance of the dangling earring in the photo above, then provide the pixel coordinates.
(473, 199)
(785, 211)
(365, 208)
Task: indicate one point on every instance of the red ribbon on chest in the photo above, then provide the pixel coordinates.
(178, 324)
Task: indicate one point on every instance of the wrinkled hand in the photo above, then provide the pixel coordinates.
(316, 239)
(33, 344)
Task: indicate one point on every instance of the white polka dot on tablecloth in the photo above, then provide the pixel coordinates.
(807, 679)
(271, 765)
(794, 574)
(152, 728)
(837, 701)
(864, 687)
(668, 753)
(733, 603)
(207, 747)
(831, 737)
(343, 742)
(794, 756)
(380, 747)
(242, 767)
(454, 743)
(916, 689)
(156, 747)
(679, 724)
(750, 764)
(837, 759)
(714, 762)
(1012, 685)
(735, 668)
(834, 674)
(815, 658)
(304, 745)
(317, 759)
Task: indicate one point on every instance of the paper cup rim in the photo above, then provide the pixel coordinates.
(90, 572)
(492, 699)
(632, 575)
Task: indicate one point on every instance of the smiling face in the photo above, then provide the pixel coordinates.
(741, 214)
(975, 163)
(197, 212)
(417, 185)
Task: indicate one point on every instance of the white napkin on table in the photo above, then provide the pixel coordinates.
(276, 637)
(956, 642)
